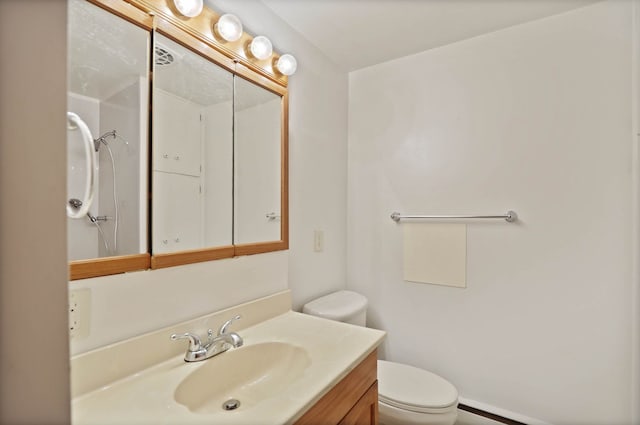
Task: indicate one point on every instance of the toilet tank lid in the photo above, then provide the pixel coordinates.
(337, 306)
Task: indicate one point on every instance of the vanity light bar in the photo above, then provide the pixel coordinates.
(189, 8)
(228, 28)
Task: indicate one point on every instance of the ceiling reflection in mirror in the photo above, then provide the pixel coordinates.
(108, 89)
(192, 150)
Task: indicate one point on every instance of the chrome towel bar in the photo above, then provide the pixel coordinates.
(510, 217)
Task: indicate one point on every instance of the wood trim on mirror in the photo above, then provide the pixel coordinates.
(159, 261)
(82, 269)
(127, 12)
(284, 176)
(259, 248)
(259, 80)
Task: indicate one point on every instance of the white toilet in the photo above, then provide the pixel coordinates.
(407, 395)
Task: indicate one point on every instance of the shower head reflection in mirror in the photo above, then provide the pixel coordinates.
(77, 204)
(111, 249)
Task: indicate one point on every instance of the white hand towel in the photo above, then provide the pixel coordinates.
(435, 253)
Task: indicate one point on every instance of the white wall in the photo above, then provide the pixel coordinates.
(635, 300)
(126, 305)
(535, 118)
(34, 350)
(317, 194)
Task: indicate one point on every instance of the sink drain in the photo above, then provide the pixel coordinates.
(231, 404)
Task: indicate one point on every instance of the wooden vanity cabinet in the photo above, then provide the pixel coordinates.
(365, 411)
(352, 401)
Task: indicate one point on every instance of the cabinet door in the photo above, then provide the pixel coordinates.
(177, 207)
(176, 134)
(365, 411)
(336, 406)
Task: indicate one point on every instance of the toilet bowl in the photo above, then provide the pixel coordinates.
(407, 395)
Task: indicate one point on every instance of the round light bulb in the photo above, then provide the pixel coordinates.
(189, 8)
(287, 64)
(229, 27)
(261, 47)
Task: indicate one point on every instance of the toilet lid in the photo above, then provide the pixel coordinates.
(411, 388)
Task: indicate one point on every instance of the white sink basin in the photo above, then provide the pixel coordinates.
(250, 374)
(286, 364)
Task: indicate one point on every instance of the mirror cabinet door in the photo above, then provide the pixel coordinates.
(192, 150)
(108, 90)
(257, 164)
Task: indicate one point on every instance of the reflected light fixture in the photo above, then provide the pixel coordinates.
(229, 27)
(189, 8)
(287, 64)
(261, 47)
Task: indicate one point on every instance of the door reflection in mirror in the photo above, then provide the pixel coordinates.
(257, 163)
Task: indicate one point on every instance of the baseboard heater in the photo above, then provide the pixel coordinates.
(489, 415)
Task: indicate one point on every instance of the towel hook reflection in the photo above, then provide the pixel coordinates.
(272, 216)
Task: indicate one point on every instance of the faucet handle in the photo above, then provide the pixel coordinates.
(223, 328)
(194, 340)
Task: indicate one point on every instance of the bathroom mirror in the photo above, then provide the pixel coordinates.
(212, 183)
(192, 150)
(219, 155)
(257, 163)
(108, 91)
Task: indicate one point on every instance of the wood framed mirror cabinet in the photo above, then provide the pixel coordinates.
(189, 136)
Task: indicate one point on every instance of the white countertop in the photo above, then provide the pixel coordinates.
(147, 397)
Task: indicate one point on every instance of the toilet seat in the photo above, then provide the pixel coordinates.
(413, 389)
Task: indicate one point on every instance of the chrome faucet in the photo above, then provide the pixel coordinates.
(215, 344)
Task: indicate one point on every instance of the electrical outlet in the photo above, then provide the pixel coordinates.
(79, 307)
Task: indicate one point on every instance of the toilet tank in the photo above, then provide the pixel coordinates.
(343, 306)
